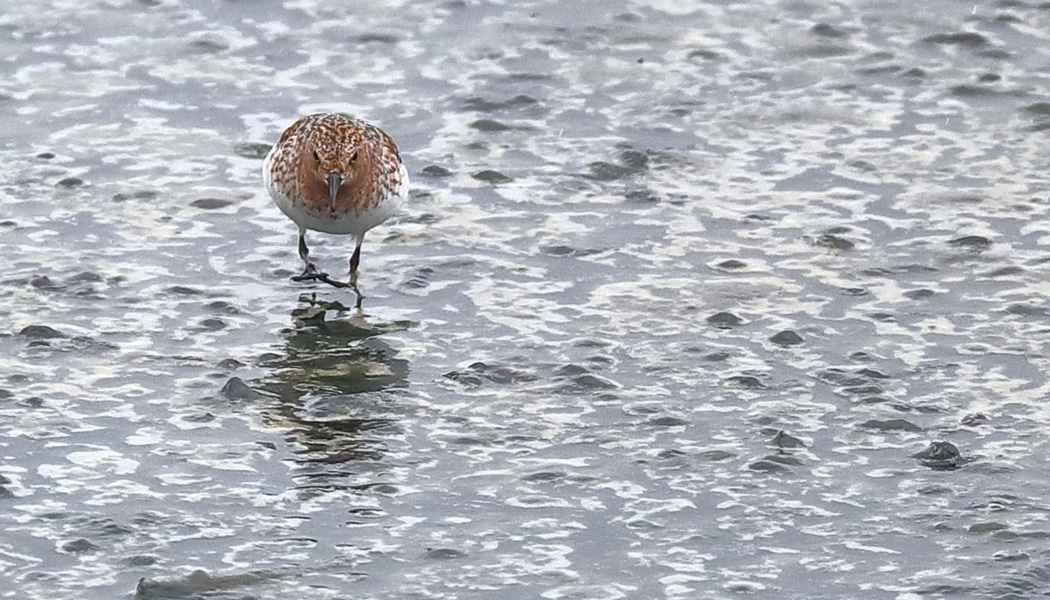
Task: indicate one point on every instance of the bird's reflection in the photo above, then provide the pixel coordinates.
(335, 384)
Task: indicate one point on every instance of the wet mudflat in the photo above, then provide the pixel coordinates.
(689, 300)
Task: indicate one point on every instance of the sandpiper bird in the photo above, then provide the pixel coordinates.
(333, 173)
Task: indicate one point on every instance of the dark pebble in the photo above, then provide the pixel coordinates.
(1011, 556)
(873, 374)
(211, 203)
(939, 455)
(40, 332)
(435, 171)
(716, 455)
(182, 290)
(141, 560)
(489, 125)
(891, 425)
(222, 307)
(201, 418)
(974, 419)
(862, 390)
(594, 382)
(208, 46)
(87, 276)
(236, 389)
(213, 324)
(668, 422)
(767, 466)
(114, 530)
(834, 242)
(971, 90)
(704, 54)
(543, 476)
(71, 182)
(444, 554)
(671, 454)
(825, 30)
(508, 375)
(42, 282)
(252, 149)
(918, 294)
(490, 176)
(724, 320)
(635, 159)
(604, 171)
(782, 458)
(732, 265)
(972, 242)
(80, 546)
(986, 527)
(559, 250)
(746, 382)
(960, 39)
(378, 38)
(642, 196)
(484, 105)
(996, 53)
(1039, 108)
(786, 338)
(1005, 271)
(570, 371)
(784, 440)
(466, 378)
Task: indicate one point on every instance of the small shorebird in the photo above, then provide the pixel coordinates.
(333, 173)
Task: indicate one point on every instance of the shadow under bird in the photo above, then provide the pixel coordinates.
(335, 174)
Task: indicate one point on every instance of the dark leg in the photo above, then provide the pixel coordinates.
(304, 252)
(310, 272)
(356, 258)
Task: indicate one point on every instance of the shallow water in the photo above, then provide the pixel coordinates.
(643, 241)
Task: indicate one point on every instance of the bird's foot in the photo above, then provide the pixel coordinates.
(351, 284)
(310, 273)
(335, 282)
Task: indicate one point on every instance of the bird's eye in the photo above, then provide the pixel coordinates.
(353, 156)
(317, 157)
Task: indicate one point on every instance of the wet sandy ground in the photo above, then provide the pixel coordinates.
(681, 292)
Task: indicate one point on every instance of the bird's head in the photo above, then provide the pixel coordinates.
(334, 167)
